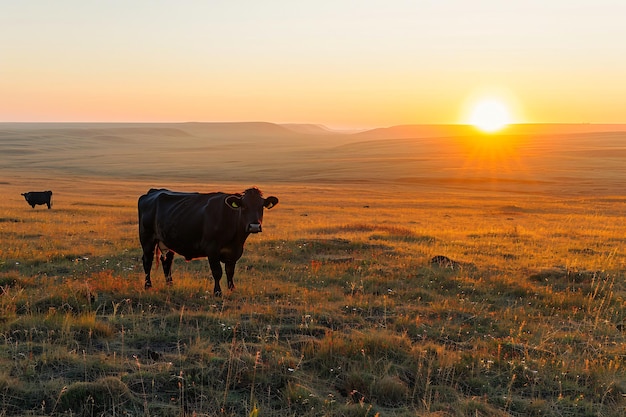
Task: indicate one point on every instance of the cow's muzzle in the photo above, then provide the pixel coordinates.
(254, 228)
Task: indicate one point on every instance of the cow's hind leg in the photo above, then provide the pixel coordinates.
(147, 258)
(230, 273)
(216, 270)
(167, 266)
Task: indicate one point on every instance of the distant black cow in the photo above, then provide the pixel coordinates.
(195, 225)
(38, 197)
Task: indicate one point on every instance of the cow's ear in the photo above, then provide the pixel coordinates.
(270, 202)
(233, 202)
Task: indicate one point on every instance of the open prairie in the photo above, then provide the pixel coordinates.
(547, 159)
(339, 309)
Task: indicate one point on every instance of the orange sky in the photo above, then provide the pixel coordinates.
(347, 64)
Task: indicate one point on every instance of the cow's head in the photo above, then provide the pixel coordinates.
(250, 205)
(26, 196)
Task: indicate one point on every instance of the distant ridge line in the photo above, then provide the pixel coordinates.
(449, 130)
(258, 128)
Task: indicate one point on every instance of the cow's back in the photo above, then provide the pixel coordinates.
(158, 201)
(180, 220)
(173, 203)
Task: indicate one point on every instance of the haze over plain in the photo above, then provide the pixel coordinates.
(551, 159)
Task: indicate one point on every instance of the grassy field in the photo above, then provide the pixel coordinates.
(338, 308)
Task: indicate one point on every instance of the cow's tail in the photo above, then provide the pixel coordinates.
(157, 255)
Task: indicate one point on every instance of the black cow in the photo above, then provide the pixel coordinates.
(195, 225)
(38, 198)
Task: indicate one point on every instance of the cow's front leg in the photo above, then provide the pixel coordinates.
(216, 270)
(147, 258)
(167, 266)
(230, 273)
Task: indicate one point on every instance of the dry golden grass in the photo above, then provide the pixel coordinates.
(338, 309)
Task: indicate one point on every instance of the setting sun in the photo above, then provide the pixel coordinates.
(489, 115)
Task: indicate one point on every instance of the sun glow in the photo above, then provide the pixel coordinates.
(490, 115)
(492, 149)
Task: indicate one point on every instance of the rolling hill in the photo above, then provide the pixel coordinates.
(549, 158)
